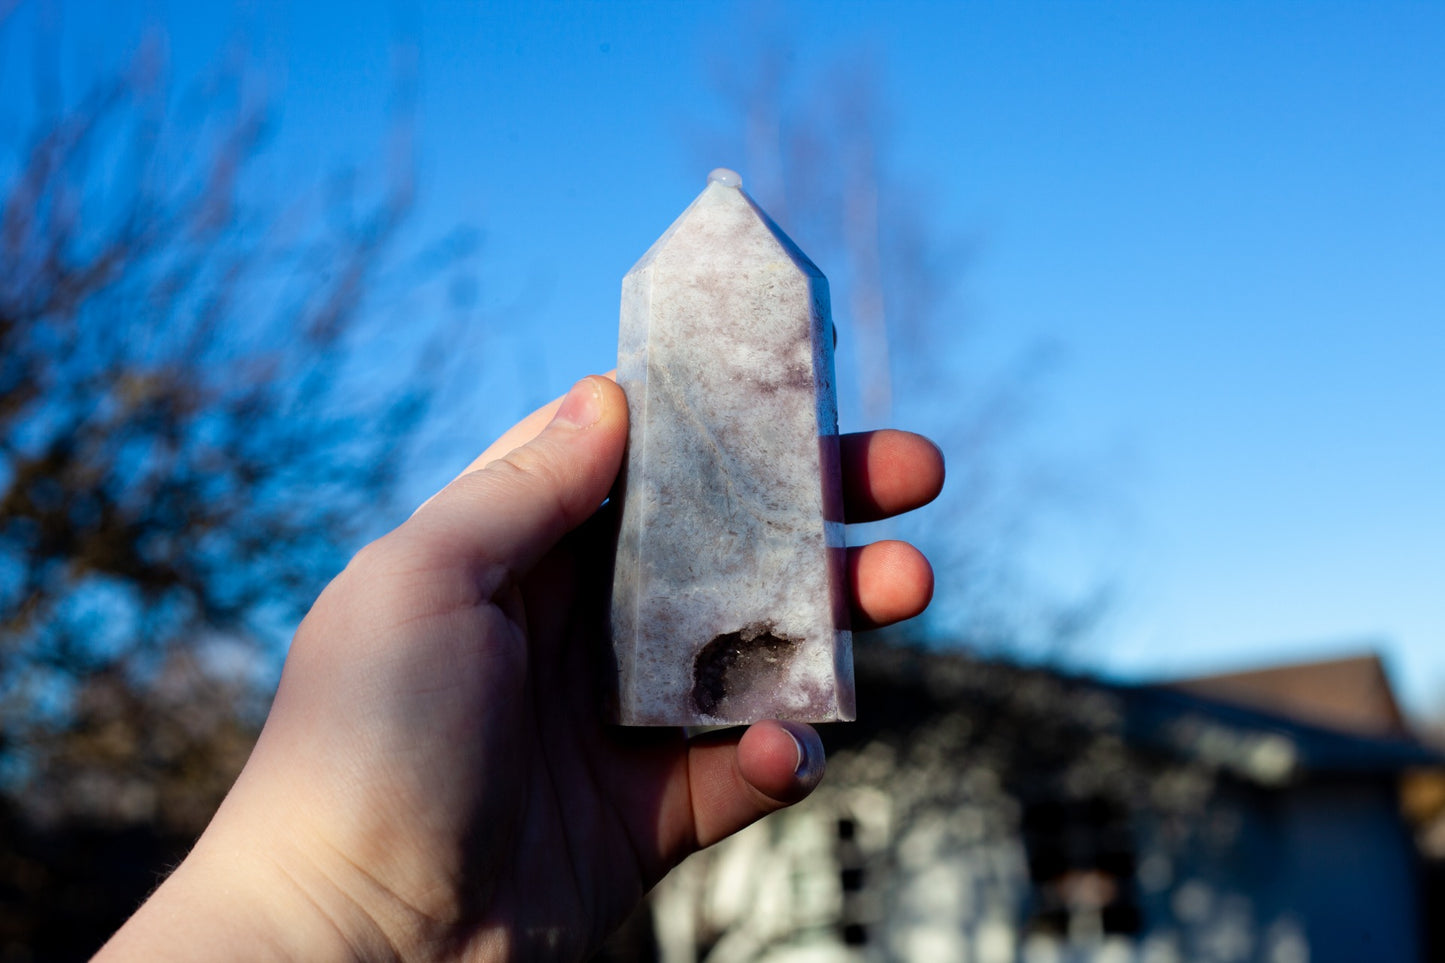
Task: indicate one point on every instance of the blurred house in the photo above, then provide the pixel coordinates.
(987, 813)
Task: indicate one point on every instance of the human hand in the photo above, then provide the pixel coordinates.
(434, 780)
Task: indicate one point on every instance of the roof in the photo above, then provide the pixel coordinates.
(1351, 694)
(904, 689)
(1268, 746)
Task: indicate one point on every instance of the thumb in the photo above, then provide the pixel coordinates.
(512, 510)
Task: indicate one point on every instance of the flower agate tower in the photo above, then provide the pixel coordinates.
(729, 601)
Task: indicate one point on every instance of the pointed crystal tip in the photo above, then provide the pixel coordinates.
(725, 178)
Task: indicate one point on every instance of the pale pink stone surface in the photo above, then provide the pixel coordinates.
(729, 603)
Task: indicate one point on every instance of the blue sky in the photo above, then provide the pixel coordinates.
(1229, 220)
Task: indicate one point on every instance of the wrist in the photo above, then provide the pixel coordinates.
(264, 896)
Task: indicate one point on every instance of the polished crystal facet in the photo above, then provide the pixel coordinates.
(728, 602)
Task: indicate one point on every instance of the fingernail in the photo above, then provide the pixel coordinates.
(582, 406)
(801, 769)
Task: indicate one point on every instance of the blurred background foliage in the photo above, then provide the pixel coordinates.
(195, 430)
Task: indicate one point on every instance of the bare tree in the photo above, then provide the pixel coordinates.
(201, 412)
(816, 148)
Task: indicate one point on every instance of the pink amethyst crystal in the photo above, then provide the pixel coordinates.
(729, 601)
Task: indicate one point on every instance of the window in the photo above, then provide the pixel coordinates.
(1081, 862)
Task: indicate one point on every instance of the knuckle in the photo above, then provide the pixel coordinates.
(540, 476)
